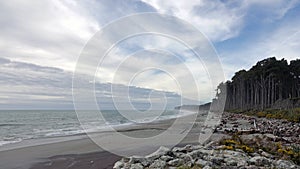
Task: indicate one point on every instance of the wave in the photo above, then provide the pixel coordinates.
(4, 142)
(67, 127)
(11, 124)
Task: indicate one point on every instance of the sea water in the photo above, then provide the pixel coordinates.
(19, 125)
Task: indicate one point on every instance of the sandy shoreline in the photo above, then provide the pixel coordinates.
(80, 151)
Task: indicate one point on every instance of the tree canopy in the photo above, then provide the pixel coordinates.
(261, 87)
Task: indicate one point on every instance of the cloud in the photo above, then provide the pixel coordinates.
(219, 21)
(222, 20)
(41, 40)
(272, 10)
(55, 30)
(31, 86)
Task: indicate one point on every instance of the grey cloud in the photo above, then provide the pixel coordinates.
(56, 30)
(24, 85)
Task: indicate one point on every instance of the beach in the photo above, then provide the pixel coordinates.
(236, 137)
(79, 151)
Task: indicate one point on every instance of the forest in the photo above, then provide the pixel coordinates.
(270, 84)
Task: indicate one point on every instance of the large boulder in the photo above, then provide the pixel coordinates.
(176, 162)
(158, 164)
(282, 164)
(259, 161)
(136, 166)
(118, 165)
(158, 153)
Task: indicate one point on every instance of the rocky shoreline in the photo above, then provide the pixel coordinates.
(244, 142)
(202, 157)
(284, 130)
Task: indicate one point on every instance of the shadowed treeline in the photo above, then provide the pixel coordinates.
(270, 84)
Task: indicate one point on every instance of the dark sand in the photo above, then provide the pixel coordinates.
(96, 160)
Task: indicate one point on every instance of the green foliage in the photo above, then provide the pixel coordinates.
(275, 148)
(292, 115)
(235, 143)
(265, 85)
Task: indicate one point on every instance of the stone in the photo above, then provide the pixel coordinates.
(200, 153)
(202, 162)
(271, 137)
(232, 162)
(185, 149)
(241, 162)
(207, 167)
(259, 161)
(197, 147)
(136, 159)
(125, 160)
(118, 165)
(158, 153)
(176, 162)
(158, 164)
(186, 157)
(136, 166)
(217, 160)
(230, 153)
(166, 158)
(265, 154)
(281, 164)
(172, 167)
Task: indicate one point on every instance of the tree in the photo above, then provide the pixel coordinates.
(266, 83)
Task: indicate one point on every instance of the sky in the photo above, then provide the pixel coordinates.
(42, 41)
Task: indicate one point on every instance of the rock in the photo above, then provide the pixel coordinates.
(217, 160)
(207, 167)
(202, 162)
(251, 167)
(271, 137)
(282, 164)
(136, 166)
(158, 153)
(197, 147)
(136, 159)
(185, 149)
(176, 162)
(166, 158)
(259, 161)
(250, 139)
(118, 165)
(158, 164)
(265, 154)
(125, 160)
(254, 154)
(172, 167)
(230, 153)
(186, 158)
(232, 162)
(200, 153)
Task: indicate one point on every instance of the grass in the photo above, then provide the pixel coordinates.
(231, 144)
(292, 115)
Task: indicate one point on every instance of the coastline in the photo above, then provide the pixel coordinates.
(67, 150)
(239, 141)
(79, 152)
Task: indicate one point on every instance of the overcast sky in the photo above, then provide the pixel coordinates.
(42, 40)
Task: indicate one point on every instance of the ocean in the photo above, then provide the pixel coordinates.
(19, 125)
